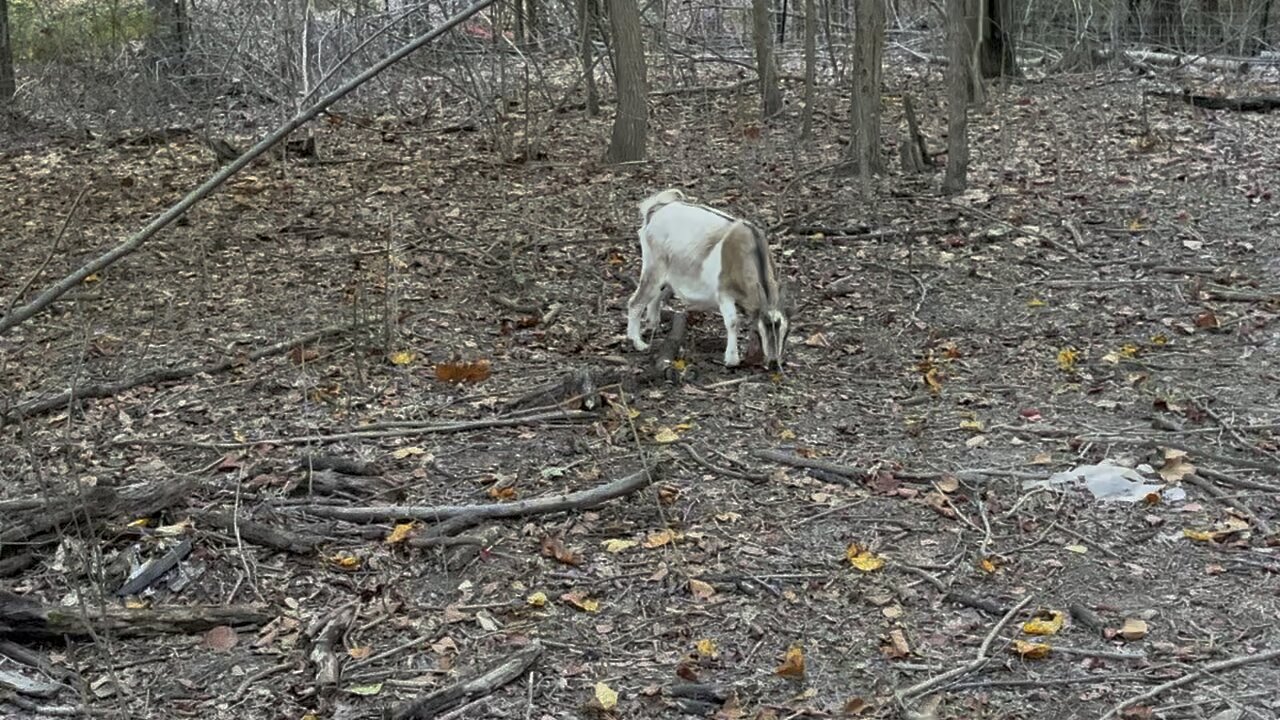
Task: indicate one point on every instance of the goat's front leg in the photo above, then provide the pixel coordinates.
(730, 314)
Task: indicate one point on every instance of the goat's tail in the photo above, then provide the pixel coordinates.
(651, 204)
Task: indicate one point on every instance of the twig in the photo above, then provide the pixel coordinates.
(536, 506)
(824, 465)
(1212, 491)
(431, 704)
(1228, 664)
(983, 656)
(751, 477)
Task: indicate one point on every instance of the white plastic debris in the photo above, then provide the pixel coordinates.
(1110, 483)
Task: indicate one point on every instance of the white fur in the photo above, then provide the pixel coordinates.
(681, 254)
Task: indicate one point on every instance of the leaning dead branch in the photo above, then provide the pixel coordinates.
(1228, 664)
(23, 618)
(128, 247)
(161, 375)
(536, 506)
(432, 704)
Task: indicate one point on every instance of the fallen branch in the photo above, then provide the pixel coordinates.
(984, 654)
(370, 434)
(160, 375)
(49, 296)
(823, 465)
(22, 618)
(97, 502)
(260, 533)
(431, 704)
(536, 506)
(1228, 664)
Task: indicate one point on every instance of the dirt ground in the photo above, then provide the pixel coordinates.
(1105, 291)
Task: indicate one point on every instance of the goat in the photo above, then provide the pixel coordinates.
(709, 260)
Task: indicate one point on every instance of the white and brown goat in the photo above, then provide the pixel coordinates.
(709, 260)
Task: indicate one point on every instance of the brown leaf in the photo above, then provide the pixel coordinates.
(553, 547)
(1207, 321)
(792, 663)
(458, 372)
(895, 646)
(701, 590)
(884, 482)
(221, 638)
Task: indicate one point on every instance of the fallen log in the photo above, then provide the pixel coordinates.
(1256, 103)
(24, 619)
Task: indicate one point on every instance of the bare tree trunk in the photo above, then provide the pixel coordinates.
(1259, 40)
(587, 21)
(631, 123)
(770, 95)
(781, 18)
(1166, 23)
(517, 12)
(1133, 21)
(959, 73)
(810, 66)
(864, 111)
(998, 53)
(169, 37)
(7, 84)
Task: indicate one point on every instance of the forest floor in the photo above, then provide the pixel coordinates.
(1107, 290)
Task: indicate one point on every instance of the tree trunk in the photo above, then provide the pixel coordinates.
(998, 54)
(959, 49)
(517, 12)
(1166, 23)
(169, 37)
(810, 66)
(1133, 21)
(781, 19)
(864, 111)
(631, 123)
(7, 84)
(587, 21)
(770, 96)
(1258, 41)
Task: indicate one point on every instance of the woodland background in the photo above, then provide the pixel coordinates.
(314, 400)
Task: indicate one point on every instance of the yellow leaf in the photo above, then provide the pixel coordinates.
(665, 435)
(537, 599)
(370, 689)
(863, 559)
(706, 647)
(1067, 359)
(360, 653)
(1133, 629)
(1077, 549)
(701, 589)
(932, 380)
(792, 663)
(617, 545)
(1036, 302)
(680, 364)
(346, 561)
(139, 523)
(1129, 350)
(403, 357)
(787, 434)
(1046, 623)
(504, 493)
(403, 453)
(988, 565)
(400, 533)
(606, 696)
(1031, 650)
(580, 600)
(93, 278)
(660, 538)
(971, 425)
(1200, 535)
(1160, 339)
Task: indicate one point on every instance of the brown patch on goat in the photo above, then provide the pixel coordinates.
(740, 268)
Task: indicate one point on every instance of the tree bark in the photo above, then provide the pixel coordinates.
(810, 66)
(169, 37)
(864, 112)
(959, 49)
(8, 85)
(998, 52)
(1166, 23)
(631, 123)
(1259, 40)
(586, 21)
(770, 95)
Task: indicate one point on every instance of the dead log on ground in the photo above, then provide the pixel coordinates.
(432, 704)
(1256, 103)
(261, 534)
(579, 500)
(94, 504)
(24, 619)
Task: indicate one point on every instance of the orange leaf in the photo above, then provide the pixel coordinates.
(463, 371)
(792, 663)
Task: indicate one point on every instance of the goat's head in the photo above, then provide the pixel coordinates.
(773, 325)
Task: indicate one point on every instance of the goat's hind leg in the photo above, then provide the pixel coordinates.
(644, 301)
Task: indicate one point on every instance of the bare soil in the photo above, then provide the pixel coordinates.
(1106, 290)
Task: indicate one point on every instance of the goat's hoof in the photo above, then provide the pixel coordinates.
(640, 345)
(731, 362)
